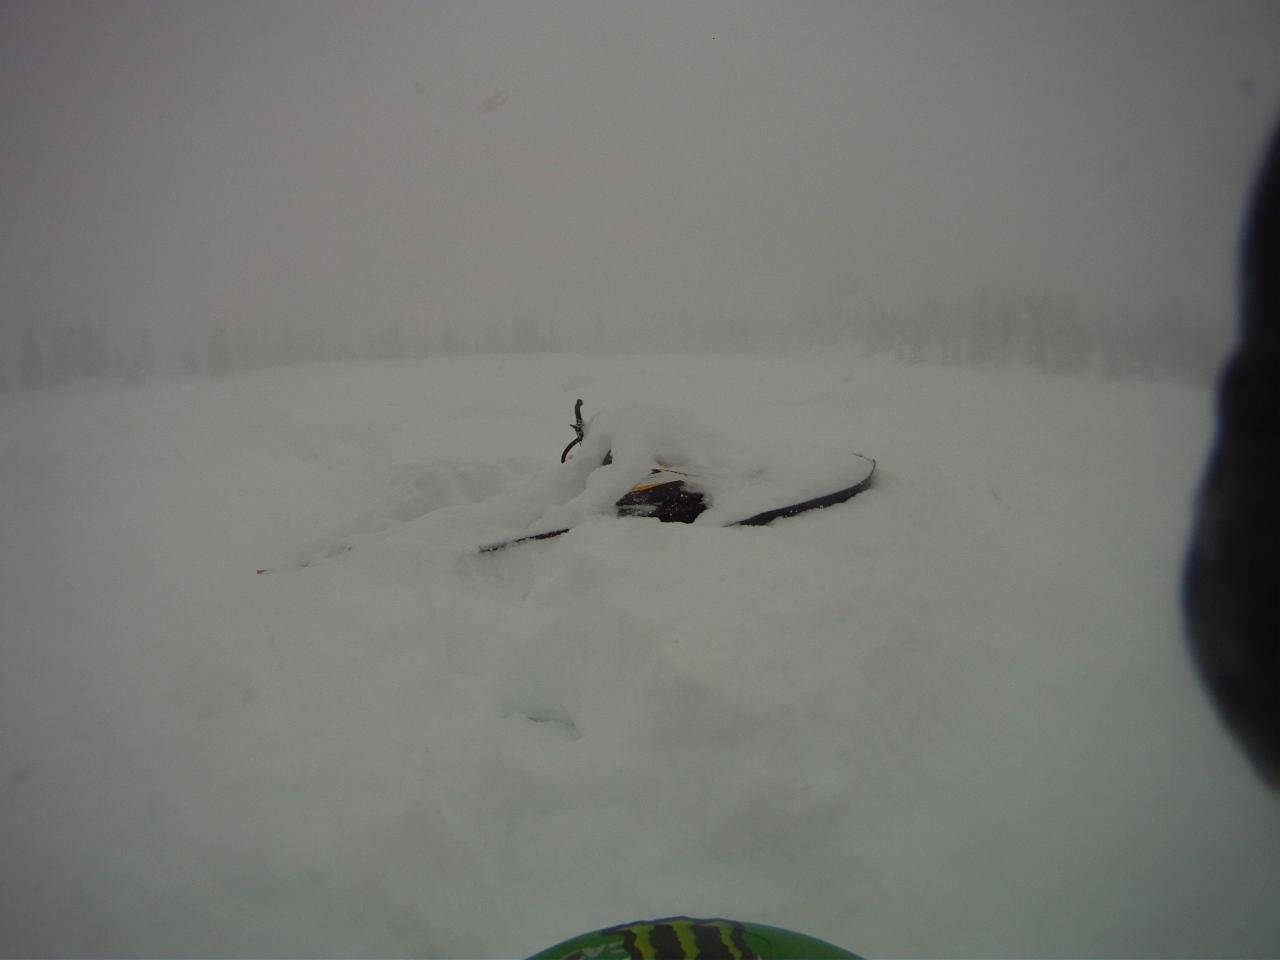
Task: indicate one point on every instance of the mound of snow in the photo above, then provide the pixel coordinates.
(413, 491)
(635, 438)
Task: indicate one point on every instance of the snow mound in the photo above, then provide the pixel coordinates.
(637, 437)
(739, 479)
(413, 491)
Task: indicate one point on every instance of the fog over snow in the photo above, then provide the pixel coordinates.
(614, 174)
(310, 288)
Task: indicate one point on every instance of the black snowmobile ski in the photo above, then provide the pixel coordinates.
(665, 496)
(676, 497)
(503, 544)
(817, 503)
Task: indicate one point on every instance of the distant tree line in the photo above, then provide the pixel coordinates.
(1050, 332)
(226, 345)
(1044, 329)
(55, 355)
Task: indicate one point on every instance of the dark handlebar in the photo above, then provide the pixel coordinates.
(577, 428)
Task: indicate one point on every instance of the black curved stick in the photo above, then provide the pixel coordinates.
(577, 428)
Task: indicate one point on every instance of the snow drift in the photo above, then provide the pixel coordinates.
(951, 717)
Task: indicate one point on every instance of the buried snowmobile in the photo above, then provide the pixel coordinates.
(676, 494)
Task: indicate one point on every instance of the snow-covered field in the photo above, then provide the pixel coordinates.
(951, 717)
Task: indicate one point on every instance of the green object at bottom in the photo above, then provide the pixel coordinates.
(684, 938)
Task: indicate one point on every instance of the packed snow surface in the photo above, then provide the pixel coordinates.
(950, 717)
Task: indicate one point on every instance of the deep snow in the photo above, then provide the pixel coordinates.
(951, 717)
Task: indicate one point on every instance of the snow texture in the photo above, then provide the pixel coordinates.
(951, 717)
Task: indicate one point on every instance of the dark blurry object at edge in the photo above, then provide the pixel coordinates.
(1231, 583)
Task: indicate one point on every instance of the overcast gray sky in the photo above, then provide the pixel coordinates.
(634, 160)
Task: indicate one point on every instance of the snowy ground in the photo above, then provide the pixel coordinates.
(950, 717)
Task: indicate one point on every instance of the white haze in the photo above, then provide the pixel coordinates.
(989, 244)
(341, 179)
